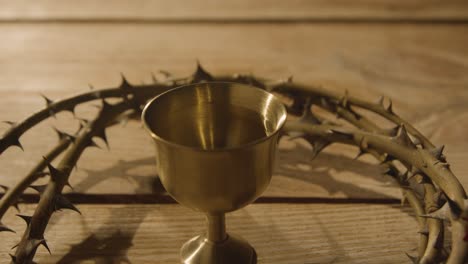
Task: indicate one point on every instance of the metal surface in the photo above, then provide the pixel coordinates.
(215, 147)
(233, 250)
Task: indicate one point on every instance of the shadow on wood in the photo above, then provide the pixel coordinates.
(106, 246)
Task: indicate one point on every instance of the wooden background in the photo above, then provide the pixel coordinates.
(329, 210)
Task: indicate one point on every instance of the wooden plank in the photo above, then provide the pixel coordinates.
(233, 10)
(290, 234)
(421, 68)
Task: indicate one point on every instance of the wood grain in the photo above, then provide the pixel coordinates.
(235, 11)
(421, 68)
(415, 52)
(290, 234)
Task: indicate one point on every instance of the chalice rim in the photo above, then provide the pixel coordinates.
(244, 146)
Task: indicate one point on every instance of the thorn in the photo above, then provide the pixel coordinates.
(363, 145)
(11, 123)
(417, 141)
(403, 199)
(26, 218)
(102, 135)
(317, 146)
(360, 153)
(105, 106)
(93, 144)
(44, 244)
(441, 213)
(68, 183)
(307, 115)
(415, 260)
(324, 102)
(13, 258)
(153, 78)
(16, 142)
(343, 133)
(55, 174)
(5, 188)
(62, 135)
(38, 188)
(381, 100)
(124, 84)
(47, 100)
(63, 203)
(390, 106)
(344, 100)
(403, 138)
(91, 87)
(165, 73)
(83, 122)
(201, 74)
(71, 109)
(33, 244)
(392, 131)
(16, 206)
(290, 79)
(445, 165)
(125, 259)
(437, 152)
(4, 228)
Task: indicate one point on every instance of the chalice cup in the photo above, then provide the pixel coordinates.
(215, 149)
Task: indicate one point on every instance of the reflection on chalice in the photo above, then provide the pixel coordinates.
(215, 148)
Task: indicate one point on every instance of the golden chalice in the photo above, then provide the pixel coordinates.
(215, 148)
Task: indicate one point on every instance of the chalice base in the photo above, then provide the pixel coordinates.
(233, 250)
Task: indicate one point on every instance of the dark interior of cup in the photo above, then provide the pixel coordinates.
(212, 116)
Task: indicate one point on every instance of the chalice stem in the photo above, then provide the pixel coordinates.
(216, 227)
(241, 125)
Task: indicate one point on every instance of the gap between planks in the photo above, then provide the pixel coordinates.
(234, 21)
(80, 198)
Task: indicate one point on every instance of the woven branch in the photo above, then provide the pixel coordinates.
(444, 198)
